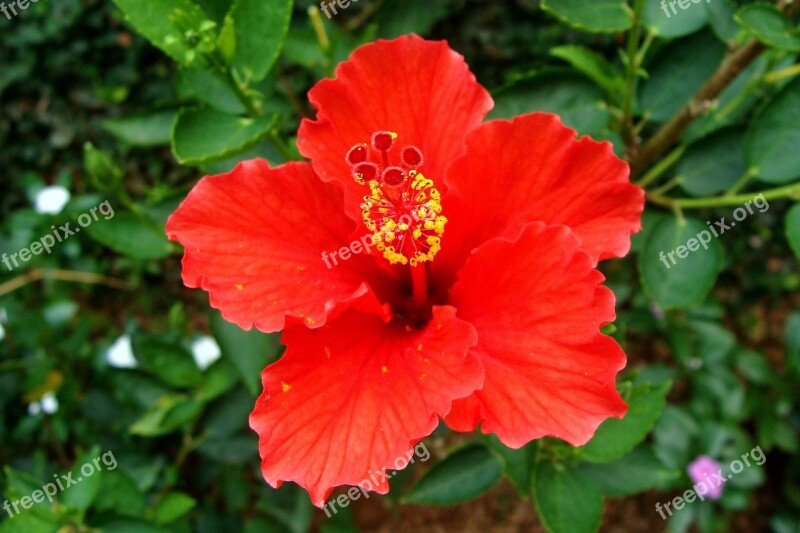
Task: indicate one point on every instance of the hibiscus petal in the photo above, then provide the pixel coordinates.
(421, 90)
(548, 371)
(254, 240)
(348, 399)
(533, 169)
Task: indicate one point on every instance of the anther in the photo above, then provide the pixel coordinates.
(403, 208)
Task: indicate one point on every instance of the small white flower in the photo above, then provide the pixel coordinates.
(49, 403)
(205, 351)
(120, 354)
(51, 200)
(34, 408)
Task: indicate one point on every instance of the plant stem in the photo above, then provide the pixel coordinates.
(632, 75)
(319, 28)
(662, 166)
(741, 182)
(221, 70)
(732, 64)
(669, 133)
(772, 77)
(786, 191)
(62, 275)
(671, 184)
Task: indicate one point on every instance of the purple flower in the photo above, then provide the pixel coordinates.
(704, 473)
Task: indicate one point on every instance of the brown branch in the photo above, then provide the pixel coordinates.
(732, 64)
(62, 275)
(667, 135)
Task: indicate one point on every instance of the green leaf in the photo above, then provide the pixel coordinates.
(793, 229)
(228, 415)
(671, 19)
(720, 15)
(168, 362)
(771, 143)
(735, 101)
(101, 168)
(410, 16)
(793, 343)
(119, 495)
(153, 129)
(636, 472)
(216, 9)
(30, 523)
(172, 506)
(597, 16)
(673, 435)
(769, 26)
(754, 367)
(204, 135)
(152, 19)
(712, 164)
(677, 71)
(82, 495)
(217, 380)
(517, 464)
(249, 351)
(129, 235)
(226, 41)
(460, 477)
(686, 282)
(166, 415)
(566, 499)
(208, 89)
(259, 30)
(41, 515)
(592, 64)
(615, 438)
(578, 102)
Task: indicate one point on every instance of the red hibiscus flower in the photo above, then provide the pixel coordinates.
(423, 266)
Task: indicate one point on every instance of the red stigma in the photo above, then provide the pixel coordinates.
(393, 176)
(411, 156)
(383, 140)
(357, 154)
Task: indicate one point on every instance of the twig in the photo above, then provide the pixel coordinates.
(666, 136)
(732, 64)
(62, 275)
(786, 191)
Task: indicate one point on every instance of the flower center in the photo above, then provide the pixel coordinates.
(403, 209)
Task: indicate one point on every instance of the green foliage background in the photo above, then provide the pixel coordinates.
(131, 101)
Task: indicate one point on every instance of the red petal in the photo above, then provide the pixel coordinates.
(547, 369)
(254, 240)
(348, 399)
(533, 169)
(421, 90)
